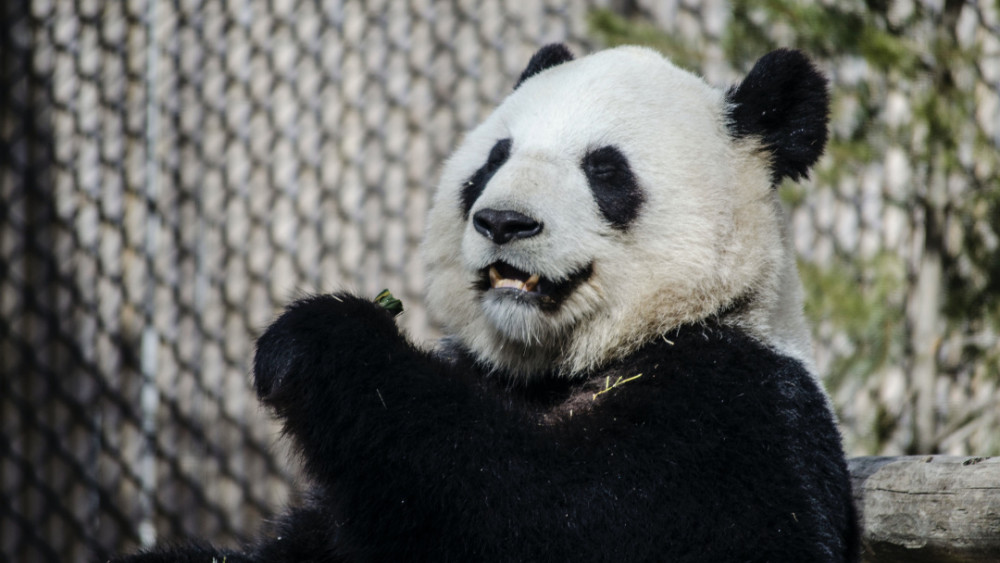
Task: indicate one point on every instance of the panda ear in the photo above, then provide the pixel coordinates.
(784, 102)
(546, 57)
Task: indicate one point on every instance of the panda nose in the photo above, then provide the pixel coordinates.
(501, 226)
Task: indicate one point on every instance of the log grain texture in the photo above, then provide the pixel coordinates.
(917, 509)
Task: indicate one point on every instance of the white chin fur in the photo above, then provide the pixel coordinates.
(517, 318)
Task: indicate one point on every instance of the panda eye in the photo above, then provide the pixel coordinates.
(604, 170)
(613, 185)
(605, 164)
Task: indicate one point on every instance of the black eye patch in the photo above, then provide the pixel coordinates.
(474, 186)
(614, 186)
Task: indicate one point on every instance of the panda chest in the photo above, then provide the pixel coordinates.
(597, 396)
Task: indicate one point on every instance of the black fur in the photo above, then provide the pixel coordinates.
(474, 186)
(614, 186)
(191, 553)
(546, 57)
(783, 101)
(720, 450)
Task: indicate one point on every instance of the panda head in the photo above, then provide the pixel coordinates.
(612, 198)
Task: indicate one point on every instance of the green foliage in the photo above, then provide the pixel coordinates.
(613, 30)
(862, 300)
(846, 28)
(973, 275)
(791, 193)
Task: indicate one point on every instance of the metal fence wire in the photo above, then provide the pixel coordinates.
(174, 172)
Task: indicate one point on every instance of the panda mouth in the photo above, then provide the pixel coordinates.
(502, 279)
(505, 276)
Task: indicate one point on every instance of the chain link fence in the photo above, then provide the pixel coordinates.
(177, 171)
(180, 170)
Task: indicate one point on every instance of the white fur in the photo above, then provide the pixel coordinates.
(710, 230)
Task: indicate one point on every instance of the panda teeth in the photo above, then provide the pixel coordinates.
(499, 282)
(532, 282)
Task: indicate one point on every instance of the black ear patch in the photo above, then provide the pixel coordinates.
(614, 186)
(474, 186)
(546, 57)
(784, 101)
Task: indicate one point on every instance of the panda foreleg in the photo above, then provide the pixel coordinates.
(190, 553)
(344, 381)
(417, 459)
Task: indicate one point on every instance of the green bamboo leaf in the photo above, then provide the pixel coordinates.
(386, 300)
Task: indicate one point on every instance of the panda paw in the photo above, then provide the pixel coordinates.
(315, 336)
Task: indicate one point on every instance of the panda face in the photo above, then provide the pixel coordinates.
(603, 202)
(528, 267)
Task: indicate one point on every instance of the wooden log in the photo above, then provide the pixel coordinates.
(928, 508)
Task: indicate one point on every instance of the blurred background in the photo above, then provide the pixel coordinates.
(174, 172)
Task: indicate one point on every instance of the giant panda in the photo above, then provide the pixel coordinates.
(626, 374)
